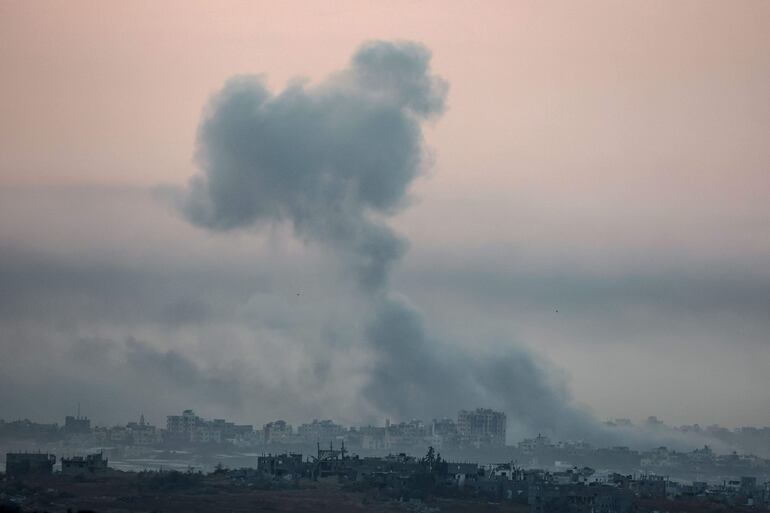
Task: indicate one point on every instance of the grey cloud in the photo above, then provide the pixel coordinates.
(113, 364)
(401, 71)
(299, 357)
(33, 282)
(668, 287)
(186, 310)
(324, 158)
(125, 373)
(172, 367)
(416, 376)
(333, 161)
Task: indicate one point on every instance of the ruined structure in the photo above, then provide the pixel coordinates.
(83, 466)
(329, 462)
(22, 464)
(282, 465)
(482, 427)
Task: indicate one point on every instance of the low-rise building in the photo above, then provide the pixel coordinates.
(84, 465)
(22, 464)
(281, 465)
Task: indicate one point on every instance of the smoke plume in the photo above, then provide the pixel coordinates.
(334, 160)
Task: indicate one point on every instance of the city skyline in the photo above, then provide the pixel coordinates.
(645, 434)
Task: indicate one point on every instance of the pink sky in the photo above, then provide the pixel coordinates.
(607, 135)
(657, 95)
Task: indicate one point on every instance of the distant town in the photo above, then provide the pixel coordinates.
(467, 455)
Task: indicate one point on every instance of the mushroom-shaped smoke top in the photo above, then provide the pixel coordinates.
(324, 158)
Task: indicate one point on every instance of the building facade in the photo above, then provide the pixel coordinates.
(482, 427)
(22, 464)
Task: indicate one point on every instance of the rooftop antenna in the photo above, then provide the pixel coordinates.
(78, 410)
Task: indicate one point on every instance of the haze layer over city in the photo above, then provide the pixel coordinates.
(382, 212)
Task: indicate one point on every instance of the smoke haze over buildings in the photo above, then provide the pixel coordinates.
(443, 200)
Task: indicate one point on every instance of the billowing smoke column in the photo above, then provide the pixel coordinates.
(333, 160)
(324, 158)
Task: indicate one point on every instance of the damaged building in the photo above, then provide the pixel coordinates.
(23, 464)
(90, 464)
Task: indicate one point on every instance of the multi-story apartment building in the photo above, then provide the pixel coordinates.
(482, 426)
(180, 427)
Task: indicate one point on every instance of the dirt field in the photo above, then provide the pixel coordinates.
(126, 493)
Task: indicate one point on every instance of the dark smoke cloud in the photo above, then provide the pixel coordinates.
(415, 375)
(326, 158)
(333, 160)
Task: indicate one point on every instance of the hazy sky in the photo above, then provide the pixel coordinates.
(609, 160)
